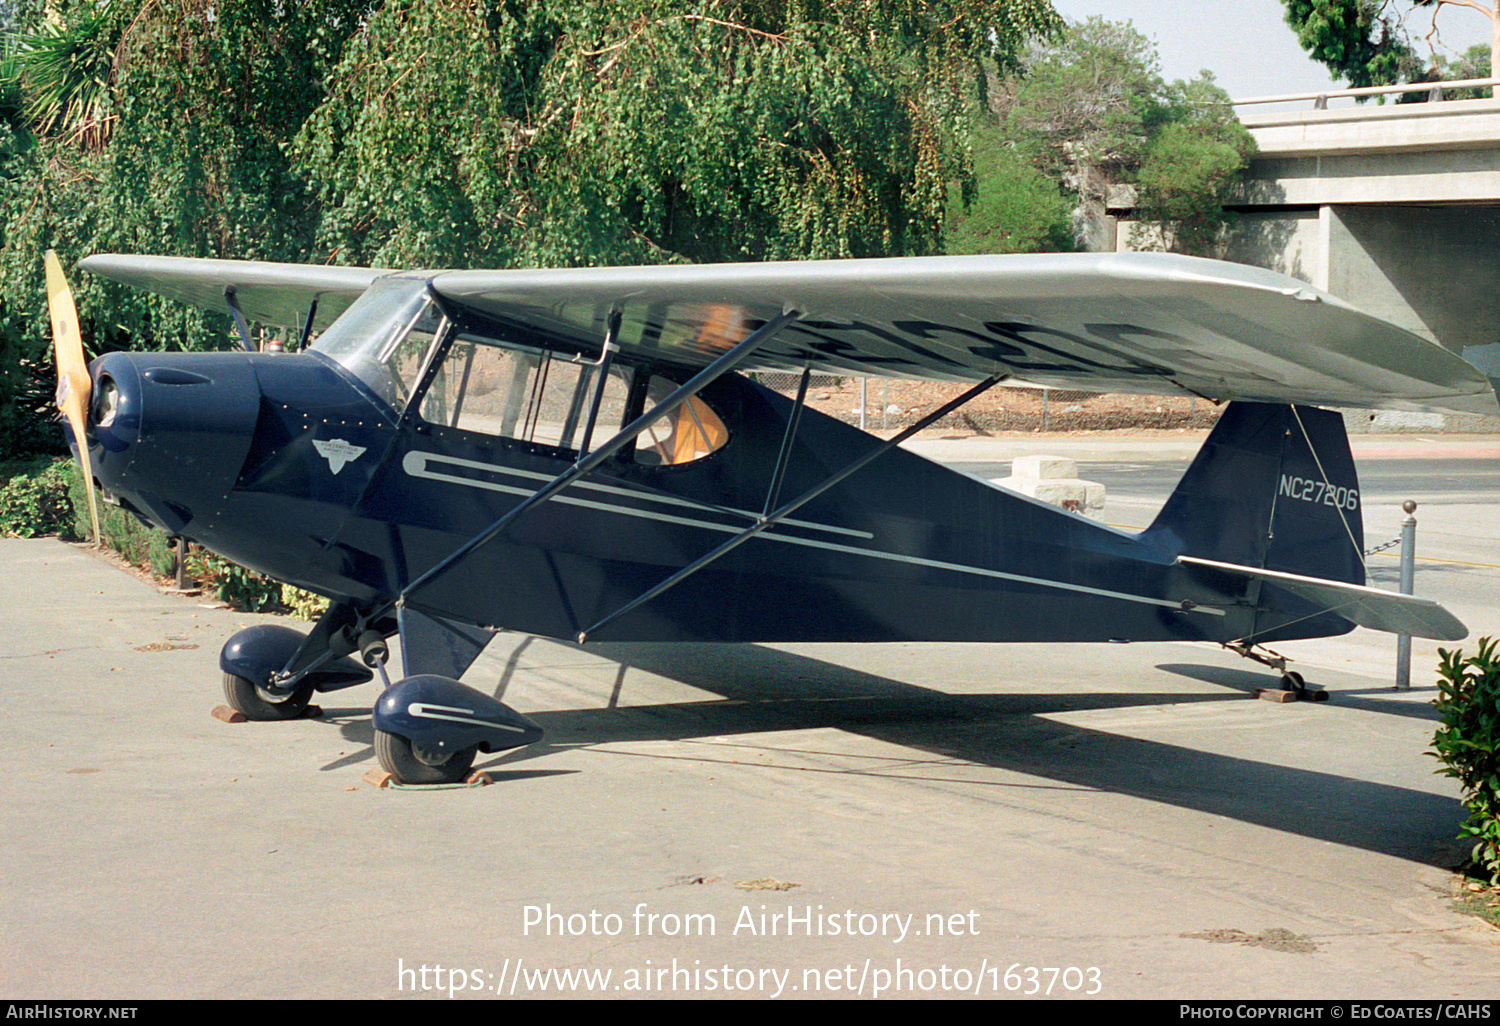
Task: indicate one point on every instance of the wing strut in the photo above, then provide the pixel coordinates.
(239, 319)
(736, 356)
(774, 492)
(307, 325)
(771, 519)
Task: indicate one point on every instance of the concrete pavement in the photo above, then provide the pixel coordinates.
(905, 819)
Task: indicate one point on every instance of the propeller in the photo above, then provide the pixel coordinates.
(74, 386)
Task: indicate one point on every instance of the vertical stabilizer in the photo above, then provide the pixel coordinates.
(1273, 488)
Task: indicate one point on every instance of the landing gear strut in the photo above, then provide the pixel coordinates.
(1291, 680)
(271, 671)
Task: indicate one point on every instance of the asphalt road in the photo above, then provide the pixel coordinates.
(705, 821)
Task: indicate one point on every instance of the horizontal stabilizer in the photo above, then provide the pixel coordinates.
(1368, 607)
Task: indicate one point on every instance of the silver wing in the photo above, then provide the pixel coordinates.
(1133, 322)
(275, 294)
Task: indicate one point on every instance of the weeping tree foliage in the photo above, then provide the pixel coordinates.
(209, 93)
(419, 155)
(469, 133)
(808, 130)
(180, 148)
(651, 130)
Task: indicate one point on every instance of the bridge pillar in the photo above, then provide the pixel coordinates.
(1434, 269)
(1395, 208)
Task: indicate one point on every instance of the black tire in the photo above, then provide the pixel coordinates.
(1292, 681)
(244, 697)
(413, 766)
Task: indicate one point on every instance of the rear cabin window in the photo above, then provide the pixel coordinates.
(689, 433)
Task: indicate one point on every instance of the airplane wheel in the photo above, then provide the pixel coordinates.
(244, 697)
(1292, 681)
(412, 765)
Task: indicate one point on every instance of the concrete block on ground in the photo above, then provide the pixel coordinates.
(1054, 480)
(1037, 468)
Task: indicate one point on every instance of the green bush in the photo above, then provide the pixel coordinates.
(304, 605)
(1015, 209)
(122, 532)
(1468, 744)
(35, 502)
(47, 497)
(232, 583)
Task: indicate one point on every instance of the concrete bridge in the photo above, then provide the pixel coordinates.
(1395, 208)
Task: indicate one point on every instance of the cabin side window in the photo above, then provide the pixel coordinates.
(528, 395)
(543, 398)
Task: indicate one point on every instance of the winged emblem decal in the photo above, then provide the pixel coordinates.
(337, 452)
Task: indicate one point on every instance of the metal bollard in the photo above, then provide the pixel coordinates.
(1408, 572)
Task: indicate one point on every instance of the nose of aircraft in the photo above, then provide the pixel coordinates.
(168, 432)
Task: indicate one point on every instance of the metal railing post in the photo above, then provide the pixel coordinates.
(1408, 574)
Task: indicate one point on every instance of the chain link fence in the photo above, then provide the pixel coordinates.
(892, 403)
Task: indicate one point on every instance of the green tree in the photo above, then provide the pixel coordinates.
(1196, 152)
(1368, 43)
(1080, 104)
(1472, 63)
(1094, 111)
(1015, 208)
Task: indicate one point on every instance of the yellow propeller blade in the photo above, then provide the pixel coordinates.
(74, 386)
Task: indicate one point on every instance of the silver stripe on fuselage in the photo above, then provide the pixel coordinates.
(415, 463)
(669, 500)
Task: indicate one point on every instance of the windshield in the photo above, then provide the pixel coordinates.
(384, 337)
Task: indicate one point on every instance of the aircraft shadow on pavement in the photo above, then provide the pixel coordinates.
(1374, 700)
(766, 690)
(1388, 575)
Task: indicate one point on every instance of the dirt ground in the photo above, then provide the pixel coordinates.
(894, 403)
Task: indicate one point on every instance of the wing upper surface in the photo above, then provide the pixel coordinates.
(279, 294)
(1139, 322)
(1134, 322)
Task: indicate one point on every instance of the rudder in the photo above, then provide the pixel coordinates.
(1273, 487)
